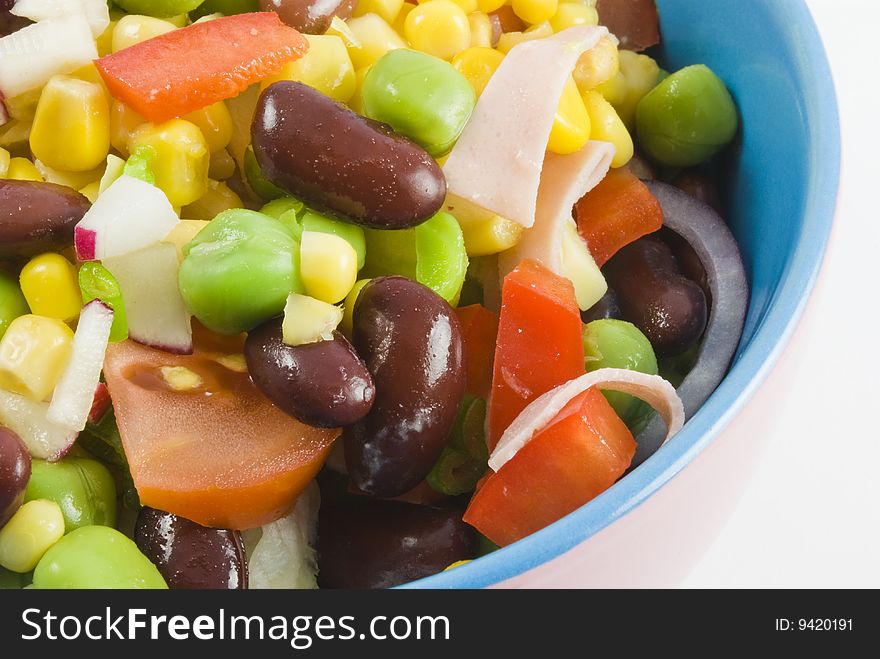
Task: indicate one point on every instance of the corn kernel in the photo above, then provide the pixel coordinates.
(578, 265)
(182, 159)
(134, 28)
(613, 90)
(484, 232)
(180, 20)
(24, 106)
(34, 527)
(597, 65)
(183, 232)
(400, 21)
(439, 28)
(467, 6)
(91, 191)
(104, 42)
(234, 362)
(357, 100)
(478, 65)
(347, 323)
(481, 30)
(75, 180)
(50, 286)
(218, 198)
(328, 266)
(22, 169)
(326, 66)
(571, 125)
(376, 38)
(607, 127)
(71, 130)
(510, 39)
(4, 162)
(215, 122)
(534, 11)
(89, 73)
(641, 74)
(180, 378)
(307, 320)
(452, 566)
(222, 166)
(33, 354)
(387, 9)
(488, 6)
(339, 28)
(570, 14)
(123, 123)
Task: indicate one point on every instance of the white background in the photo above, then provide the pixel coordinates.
(811, 515)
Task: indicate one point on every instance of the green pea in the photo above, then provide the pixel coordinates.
(254, 175)
(96, 557)
(12, 302)
(419, 96)
(353, 234)
(82, 488)
(464, 461)
(432, 253)
(97, 283)
(288, 211)
(611, 343)
(687, 118)
(140, 164)
(226, 7)
(158, 8)
(238, 271)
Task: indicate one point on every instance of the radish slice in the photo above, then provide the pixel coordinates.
(28, 420)
(652, 389)
(128, 216)
(4, 113)
(75, 391)
(497, 161)
(33, 54)
(716, 248)
(100, 403)
(96, 12)
(154, 309)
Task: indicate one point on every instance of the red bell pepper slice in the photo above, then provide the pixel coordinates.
(479, 328)
(185, 70)
(618, 211)
(577, 456)
(539, 342)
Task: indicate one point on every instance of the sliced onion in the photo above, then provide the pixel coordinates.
(716, 247)
(653, 389)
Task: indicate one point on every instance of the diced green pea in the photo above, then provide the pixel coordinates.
(254, 175)
(97, 283)
(158, 8)
(140, 165)
(464, 461)
(289, 212)
(12, 301)
(82, 488)
(226, 7)
(351, 233)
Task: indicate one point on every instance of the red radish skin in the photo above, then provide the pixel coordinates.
(85, 240)
(100, 403)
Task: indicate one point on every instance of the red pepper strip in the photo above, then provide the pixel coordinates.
(479, 328)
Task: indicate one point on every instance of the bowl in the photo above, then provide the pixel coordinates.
(650, 528)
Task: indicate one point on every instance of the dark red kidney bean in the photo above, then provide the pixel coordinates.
(15, 471)
(191, 556)
(608, 306)
(410, 340)
(341, 163)
(699, 186)
(9, 22)
(666, 306)
(380, 544)
(688, 262)
(323, 384)
(309, 16)
(37, 217)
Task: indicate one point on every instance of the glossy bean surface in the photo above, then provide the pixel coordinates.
(37, 217)
(15, 470)
(341, 163)
(411, 342)
(84, 490)
(309, 16)
(323, 384)
(608, 306)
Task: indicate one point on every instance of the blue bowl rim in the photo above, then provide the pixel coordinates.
(738, 387)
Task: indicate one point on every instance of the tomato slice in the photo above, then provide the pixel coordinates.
(185, 70)
(216, 451)
(479, 329)
(577, 456)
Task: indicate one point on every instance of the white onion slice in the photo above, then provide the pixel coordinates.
(96, 12)
(27, 419)
(652, 389)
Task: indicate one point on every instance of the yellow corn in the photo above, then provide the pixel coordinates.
(51, 287)
(4, 162)
(439, 28)
(217, 199)
(326, 66)
(215, 122)
(134, 28)
(181, 20)
(89, 73)
(348, 308)
(484, 232)
(481, 30)
(91, 191)
(613, 90)
(307, 320)
(222, 165)
(400, 21)
(597, 66)
(24, 106)
(339, 28)
(357, 102)
(571, 125)
(328, 265)
(75, 180)
(477, 65)
(180, 378)
(452, 566)
(375, 38)
(641, 74)
(182, 158)
(578, 265)
(534, 11)
(34, 527)
(33, 354)
(467, 6)
(105, 41)
(183, 232)
(488, 6)
(510, 39)
(123, 123)
(71, 130)
(22, 169)
(387, 9)
(570, 14)
(607, 127)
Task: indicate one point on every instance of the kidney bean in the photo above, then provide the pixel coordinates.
(688, 261)
(411, 342)
(37, 217)
(309, 16)
(189, 555)
(700, 186)
(654, 296)
(323, 384)
(380, 544)
(341, 163)
(608, 306)
(15, 471)
(9, 22)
